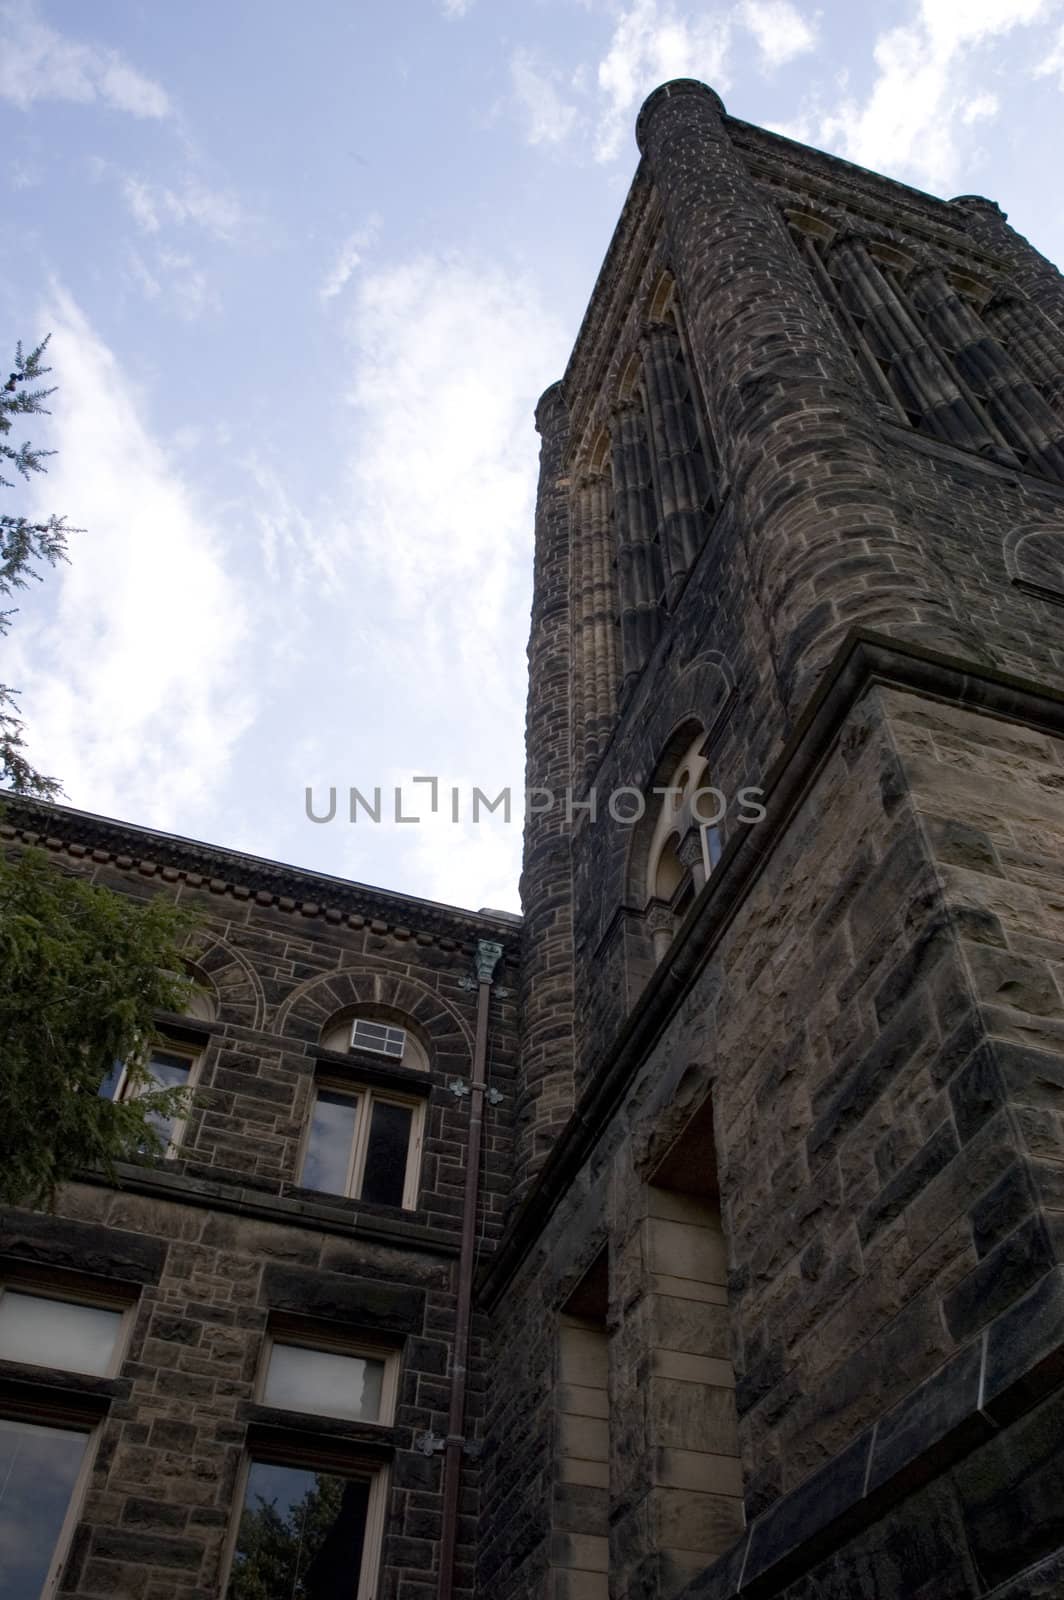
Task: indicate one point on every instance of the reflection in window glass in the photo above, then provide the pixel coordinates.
(332, 1134)
(38, 1469)
(55, 1333)
(324, 1381)
(301, 1535)
(168, 1072)
(386, 1155)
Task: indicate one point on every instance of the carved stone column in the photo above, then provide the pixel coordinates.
(638, 557)
(681, 469)
(546, 881)
(929, 391)
(827, 530)
(1019, 411)
(1029, 270)
(1032, 339)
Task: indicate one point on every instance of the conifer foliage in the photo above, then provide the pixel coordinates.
(24, 546)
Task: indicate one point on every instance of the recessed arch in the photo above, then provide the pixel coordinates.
(229, 978)
(1034, 559)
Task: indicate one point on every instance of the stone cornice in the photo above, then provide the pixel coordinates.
(865, 658)
(233, 875)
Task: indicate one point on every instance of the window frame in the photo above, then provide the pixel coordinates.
(367, 1094)
(99, 1299)
(334, 1345)
(194, 1052)
(376, 1473)
(57, 1418)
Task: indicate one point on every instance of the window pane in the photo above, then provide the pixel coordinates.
(301, 1536)
(168, 1071)
(54, 1333)
(714, 844)
(332, 1134)
(109, 1087)
(38, 1470)
(377, 1036)
(325, 1382)
(386, 1155)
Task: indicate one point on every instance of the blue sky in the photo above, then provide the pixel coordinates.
(307, 270)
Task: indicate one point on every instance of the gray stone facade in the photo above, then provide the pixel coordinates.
(771, 1243)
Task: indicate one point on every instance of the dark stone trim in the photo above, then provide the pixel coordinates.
(285, 1441)
(273, 1422)
(113, 1254)
(41, 1393)
(214, 862)
(357, 1067)
(1040, 591)
(364, 1305)
(295, 1208)
(865, 658)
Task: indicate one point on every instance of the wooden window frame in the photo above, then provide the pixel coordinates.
(367, 1094)
(178, 1047)
(375, 1473)
(51, 1416)
(44, 1288)
(335, 1345)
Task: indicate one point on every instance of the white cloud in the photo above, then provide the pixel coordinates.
(152, 205)
(348, 259)
(779, 28)
(449, 355)
(652, 43)
(927, 90)
(39, 63)
(548, 118)
(455, 9)
(1053, 62)
(129, 657)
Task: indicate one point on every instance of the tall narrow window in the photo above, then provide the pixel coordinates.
(364, 1143)
(44, 1466)
(40, 1470)
(307, 1531)
(170, 1067)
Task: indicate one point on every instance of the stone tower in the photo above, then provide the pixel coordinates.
(781, 1311)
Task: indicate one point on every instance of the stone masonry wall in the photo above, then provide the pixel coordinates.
(223, 1238)
(881, 1203)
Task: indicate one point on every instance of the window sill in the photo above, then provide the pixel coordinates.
(358, 1066)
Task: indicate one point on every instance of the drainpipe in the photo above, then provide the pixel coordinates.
(487, 956)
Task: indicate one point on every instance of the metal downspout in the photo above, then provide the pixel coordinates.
(487, 957)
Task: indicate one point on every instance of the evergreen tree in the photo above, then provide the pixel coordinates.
(23, 545)
(280, 1556)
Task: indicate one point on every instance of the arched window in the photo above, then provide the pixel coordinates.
(682, 840)
(376, 1031)
(367, 1119)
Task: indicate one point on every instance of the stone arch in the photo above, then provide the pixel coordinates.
(230, 979)
(1034, 560)
(631, 377)
(317, 1003)
(660, 304)
(684, 734)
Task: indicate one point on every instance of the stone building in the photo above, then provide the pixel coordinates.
(770, 1079)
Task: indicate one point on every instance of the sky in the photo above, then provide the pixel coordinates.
(306, 271)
